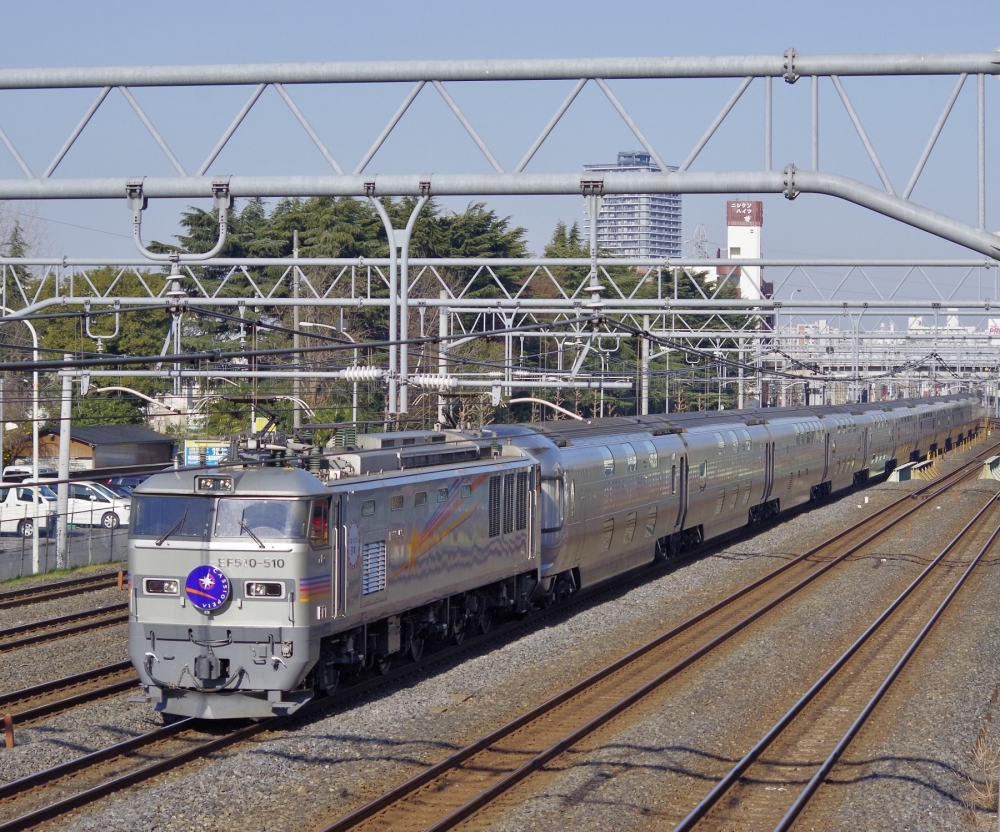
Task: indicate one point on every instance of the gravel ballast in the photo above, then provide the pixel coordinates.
(313, 773)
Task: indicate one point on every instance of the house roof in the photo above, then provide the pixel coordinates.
(112, 434)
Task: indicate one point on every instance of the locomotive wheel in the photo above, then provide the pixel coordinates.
(416, 649)
(331, 682)
(486, 620)
(383, 664)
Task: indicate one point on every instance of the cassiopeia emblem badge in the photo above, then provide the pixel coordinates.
(207, 587)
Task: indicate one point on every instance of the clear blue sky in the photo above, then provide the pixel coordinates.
(898, 114)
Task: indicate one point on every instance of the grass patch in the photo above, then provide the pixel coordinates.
(983, 781)
(76, 571)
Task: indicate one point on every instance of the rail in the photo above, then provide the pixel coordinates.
(59, 589)
(740, 792)
(501, 757)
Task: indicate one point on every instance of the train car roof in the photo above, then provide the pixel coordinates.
(246, 482)
(567, 431)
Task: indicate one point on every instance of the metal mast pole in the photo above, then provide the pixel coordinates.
(296, 355)
(65, 417)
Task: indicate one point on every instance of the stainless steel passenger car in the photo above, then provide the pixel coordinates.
(728, 469)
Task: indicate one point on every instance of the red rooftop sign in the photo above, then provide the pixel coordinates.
(745, 213)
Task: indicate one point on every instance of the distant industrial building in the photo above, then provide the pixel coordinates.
(744, 222)
(637, 225)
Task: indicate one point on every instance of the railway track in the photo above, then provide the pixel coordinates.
(25, 635)
(776, 780)
(43, 796)
(455, 789)
(29, 704)
(53, 784)
(59, 589)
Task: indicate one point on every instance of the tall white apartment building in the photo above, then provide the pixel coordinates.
(637, 225)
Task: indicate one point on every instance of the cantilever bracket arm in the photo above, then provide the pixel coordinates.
(138, 202)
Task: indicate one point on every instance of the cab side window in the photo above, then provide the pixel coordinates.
(319, 529)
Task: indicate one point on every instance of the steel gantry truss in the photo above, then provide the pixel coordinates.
(765, 341)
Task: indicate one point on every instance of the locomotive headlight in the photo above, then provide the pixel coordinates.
(213, 483)
(161, 586)
(264, 589)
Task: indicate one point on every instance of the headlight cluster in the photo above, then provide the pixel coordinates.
(264, 589)
(213, 483)
(161, 586)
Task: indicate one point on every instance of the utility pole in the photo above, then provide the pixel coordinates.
(442, 357)
(62, 491)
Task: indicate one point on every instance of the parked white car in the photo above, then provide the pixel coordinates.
(92, 504)
(17, 473)
(21, 508)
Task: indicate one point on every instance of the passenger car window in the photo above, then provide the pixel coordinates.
(609, 532)
(630, 526)
(651, 522)
(420, 499)
(552, 509)
(630, 458)
(367, 508)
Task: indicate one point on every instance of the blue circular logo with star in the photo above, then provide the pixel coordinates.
(207, 587)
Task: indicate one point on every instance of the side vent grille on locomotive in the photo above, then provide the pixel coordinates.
(508, 503)
(522, 501)
(494, 506)
(373, 558)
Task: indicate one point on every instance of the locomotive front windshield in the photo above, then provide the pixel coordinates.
(163, 516)
(284, 519)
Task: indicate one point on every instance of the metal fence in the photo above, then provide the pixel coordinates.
(86, 545)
